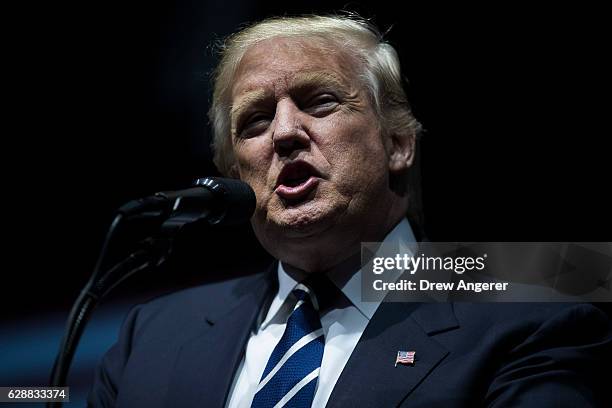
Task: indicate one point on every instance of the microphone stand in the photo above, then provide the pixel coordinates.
(227, 201)
(152, 253)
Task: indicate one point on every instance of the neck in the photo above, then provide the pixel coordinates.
(340, 261)
(344, 269)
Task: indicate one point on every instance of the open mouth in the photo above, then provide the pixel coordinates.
(296, 180)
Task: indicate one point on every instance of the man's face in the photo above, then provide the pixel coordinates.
(307, 139)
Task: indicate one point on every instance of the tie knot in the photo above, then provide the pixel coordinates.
(304, 294)
(323, 293)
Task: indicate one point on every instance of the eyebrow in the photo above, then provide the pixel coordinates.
(300, 81)
(246, 100)
(321, 79)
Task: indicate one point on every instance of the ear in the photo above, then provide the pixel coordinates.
(401, 151)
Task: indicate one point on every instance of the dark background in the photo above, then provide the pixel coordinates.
(109, 101)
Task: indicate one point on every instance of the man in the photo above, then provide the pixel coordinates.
(311, 113)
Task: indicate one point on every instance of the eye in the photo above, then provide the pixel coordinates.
(321, 105)
(254, 125)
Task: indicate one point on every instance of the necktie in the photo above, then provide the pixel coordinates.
(290, 376)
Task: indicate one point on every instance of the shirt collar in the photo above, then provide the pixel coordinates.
(401, 235)
(351, 288)
(285, 285)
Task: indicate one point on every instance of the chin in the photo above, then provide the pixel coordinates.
(296, 223)
(300, 221)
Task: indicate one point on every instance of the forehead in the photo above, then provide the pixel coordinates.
(277, 64)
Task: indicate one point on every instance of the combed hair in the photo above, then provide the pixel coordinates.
(380, 73)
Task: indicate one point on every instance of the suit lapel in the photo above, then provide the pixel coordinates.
(370, 377)
(206, 364)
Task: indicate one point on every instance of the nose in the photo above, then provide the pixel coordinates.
(288, 133)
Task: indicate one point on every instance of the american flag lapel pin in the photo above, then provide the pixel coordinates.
(405, 357)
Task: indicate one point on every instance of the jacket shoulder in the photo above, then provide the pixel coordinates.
(523, 314)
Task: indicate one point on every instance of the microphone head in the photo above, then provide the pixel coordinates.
(236, 200)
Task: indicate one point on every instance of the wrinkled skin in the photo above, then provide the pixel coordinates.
(292, 100)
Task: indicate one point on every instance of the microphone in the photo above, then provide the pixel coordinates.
(220, 201)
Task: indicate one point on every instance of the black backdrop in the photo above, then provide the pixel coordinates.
(110, 101)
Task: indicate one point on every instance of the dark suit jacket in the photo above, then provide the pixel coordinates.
(183, 350)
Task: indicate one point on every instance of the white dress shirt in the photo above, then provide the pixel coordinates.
(342, 327)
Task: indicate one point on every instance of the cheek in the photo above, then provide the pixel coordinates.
(354, 150)
(253, 159)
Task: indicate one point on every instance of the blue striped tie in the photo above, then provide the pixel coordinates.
(290, 377)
